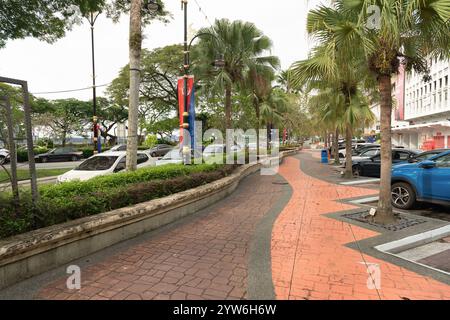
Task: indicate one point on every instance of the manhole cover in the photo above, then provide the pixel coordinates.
(401, 223)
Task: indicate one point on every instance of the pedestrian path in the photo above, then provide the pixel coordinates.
(267, 240)
(309, 256)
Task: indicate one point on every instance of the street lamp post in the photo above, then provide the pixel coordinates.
(187, 64)
(92, 18)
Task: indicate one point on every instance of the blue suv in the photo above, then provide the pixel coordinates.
(427, 181)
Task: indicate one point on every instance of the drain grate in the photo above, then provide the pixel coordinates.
(401, 223)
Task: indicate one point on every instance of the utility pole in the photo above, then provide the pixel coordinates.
(92, 18)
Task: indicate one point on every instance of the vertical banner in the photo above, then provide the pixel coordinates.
(400, 93)
(181, 101)
(192, 118)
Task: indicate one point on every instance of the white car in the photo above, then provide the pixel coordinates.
(172, 157)
(104, 164)
(175, 156)
(4, 155)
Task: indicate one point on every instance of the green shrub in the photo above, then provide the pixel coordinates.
(22, 154)
(73, 200)
(87, 152)
(150, 141)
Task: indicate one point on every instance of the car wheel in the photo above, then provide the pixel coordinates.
(44, 160)
(74, 158)
(2, 159)
(403, 196)
(357, 171)
(341, 156)
(153, 155)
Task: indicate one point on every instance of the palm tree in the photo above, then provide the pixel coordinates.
(243, 47)
(328, 67)
(407, 31)
(258, 82)
(328, 106)
(273, 108)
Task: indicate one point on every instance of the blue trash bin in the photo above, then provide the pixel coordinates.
(324, 156)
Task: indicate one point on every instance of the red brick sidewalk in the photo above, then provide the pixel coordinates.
(202, 258)
(309, 259)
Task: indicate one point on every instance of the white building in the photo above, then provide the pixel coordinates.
(426, 110)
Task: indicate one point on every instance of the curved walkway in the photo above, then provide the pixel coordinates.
(205, 256)
(268, 240)
(309, 256)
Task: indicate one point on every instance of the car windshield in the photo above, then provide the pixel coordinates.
(426, 156)
(98, 163)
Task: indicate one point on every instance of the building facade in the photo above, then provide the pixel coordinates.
(426, 110)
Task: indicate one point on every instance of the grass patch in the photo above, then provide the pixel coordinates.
(25, 174)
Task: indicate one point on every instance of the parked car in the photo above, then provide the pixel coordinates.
(371, 167)
(427, 181)
(105, 163)
(160, 150)
(363, 147)
(366, 154)
(60, 154)
(175, 156)
(119, 147)
(4, 155)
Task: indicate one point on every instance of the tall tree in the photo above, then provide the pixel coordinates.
(388, 32)
(135, 47)
(328, 67)
(242, 46)
(46, 20)
(65, 117)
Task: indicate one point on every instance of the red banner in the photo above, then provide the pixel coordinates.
(181, 99)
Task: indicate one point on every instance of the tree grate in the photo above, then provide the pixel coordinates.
(401, 223)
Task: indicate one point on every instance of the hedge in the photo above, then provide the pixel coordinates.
(73, 200)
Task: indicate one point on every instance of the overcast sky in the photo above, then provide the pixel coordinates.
(66, 64)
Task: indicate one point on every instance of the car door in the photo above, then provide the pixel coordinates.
(436, 181)
(57, 155)
(165, 149)
(142, 158)
(372, 166)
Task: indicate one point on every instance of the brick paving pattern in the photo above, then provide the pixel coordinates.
(309, 259)
(205, 258)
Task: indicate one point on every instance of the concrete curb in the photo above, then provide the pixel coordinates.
(32, 253)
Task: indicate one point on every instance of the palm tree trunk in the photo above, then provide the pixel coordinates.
(228, 106)
(385, 213)
(348, 152)
(336, 147)
(135, 62)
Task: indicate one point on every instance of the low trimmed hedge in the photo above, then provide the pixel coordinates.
(73, 200)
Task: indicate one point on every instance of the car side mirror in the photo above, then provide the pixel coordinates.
(427, 164)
